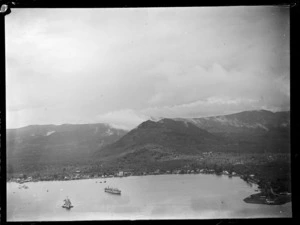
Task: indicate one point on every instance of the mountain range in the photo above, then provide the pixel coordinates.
(57, 144)
(247, 132)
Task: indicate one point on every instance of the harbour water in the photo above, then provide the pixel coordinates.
(188, 196)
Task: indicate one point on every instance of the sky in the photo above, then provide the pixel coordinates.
(123, 66)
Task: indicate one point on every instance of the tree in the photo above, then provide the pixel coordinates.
(36, 175)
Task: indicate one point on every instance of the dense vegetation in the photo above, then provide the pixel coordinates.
(271, 169)
(253, 143)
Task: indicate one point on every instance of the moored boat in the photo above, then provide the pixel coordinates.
(270, 201)
(67, 204)
(112, 190)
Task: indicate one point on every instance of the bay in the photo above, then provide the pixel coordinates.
(186, 196)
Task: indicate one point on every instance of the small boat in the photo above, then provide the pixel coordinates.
(112, 190)
(284, 193)
(67, 204)
(23, 186)
(269, 201)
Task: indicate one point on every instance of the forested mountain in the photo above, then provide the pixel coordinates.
(249, 131)
(57, 144)
(37, 146)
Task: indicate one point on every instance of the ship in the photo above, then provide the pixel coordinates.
(67, 204)
(270, 201)
(112, 190)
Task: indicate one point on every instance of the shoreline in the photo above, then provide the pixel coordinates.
(86, 177)
(271, 172)
(258, 198)
(261, 198)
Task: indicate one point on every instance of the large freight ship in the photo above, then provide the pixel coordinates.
(112, 190)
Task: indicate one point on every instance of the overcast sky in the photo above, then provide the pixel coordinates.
(124, 66)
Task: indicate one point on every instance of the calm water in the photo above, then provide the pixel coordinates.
(145, 197)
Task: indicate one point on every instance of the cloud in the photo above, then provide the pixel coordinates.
(22, 106)
(123, 119)
(208, 107)
(215, 82)
(122, 66)
(128, 119)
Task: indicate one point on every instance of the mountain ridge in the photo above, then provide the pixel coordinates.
(66, 144)
(51, 144)
(251, 131)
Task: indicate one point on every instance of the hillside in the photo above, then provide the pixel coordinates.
(247, 121)
(42, 147)
(183, 137)
(246, 132)
(253, 131)
(37, 146)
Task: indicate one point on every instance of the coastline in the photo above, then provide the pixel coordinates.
(258, 198)
(261, 198)
(269, 172)
(193, 193)
(87, 176)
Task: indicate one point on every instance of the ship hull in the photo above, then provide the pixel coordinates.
(67, 207)
(113, 192)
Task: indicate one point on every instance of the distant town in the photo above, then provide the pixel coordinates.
(78, 175)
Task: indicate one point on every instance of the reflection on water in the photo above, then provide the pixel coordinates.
(146, 197)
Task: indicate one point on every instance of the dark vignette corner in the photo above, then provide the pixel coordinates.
(36, 3)
(2, 118)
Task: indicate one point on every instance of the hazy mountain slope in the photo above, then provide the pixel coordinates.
(250, 131)
(176, 136)
(62, 144)
(34, 147)
(247, 121)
